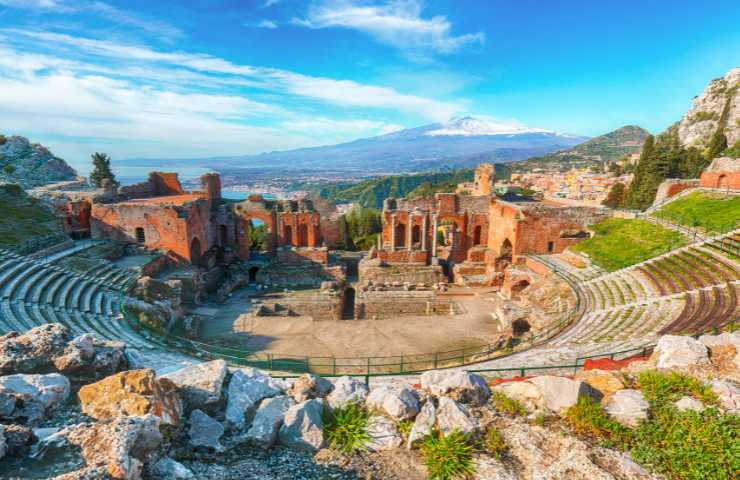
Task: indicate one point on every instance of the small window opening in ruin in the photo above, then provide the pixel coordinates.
(400, 235)
(722, 181)
(302, 235)
(288, 235)
(253, 274)
(416, 234)
(195, 253)
(223, 236)
(140, 235)
(550, 246)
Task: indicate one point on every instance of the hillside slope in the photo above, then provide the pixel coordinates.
(604, 148)
(23, 217)
(31, 164)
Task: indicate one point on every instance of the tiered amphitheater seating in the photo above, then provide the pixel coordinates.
(691, 289)
(33, 292)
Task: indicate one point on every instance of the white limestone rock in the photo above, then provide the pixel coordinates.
(722, 339)
(30, 396)
(169, 469)
(558, 394)
(384, 434)
(309, 386)
(347, 390)
(246, 389)
(303, 426)
(628, 407)
(200, 385)
(526, 393)
(675, 351)
(77, 355)
(399, 403)
(488, 468)
(268, 419)
(460, 385)
(33, 351)
(452, 416)
(205, 431)
(689, 403)
(423, 424)
(728, 394)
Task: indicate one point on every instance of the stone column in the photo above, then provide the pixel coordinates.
(424, 232)
(393, 232)
(410, 232)
(435, 227)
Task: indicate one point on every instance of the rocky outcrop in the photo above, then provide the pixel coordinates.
(132, 393)
(32, 163)
(701, 121)
(423, 424)
(303, 427)
(200, 385)
(399, 403)
(728, 394)
(452, 416)
(383, 433)
(547, 393)
(607, 383)
(205, 431)
(457, 384)
(169, 469)
(628, 407)
(309, 386)
(268, 420)
(27, 398)
(675, 351)
(246, 389)
(347, 390)
(34, 351)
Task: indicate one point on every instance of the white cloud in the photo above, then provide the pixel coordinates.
(267, 24)
(270, 3)
(397, 23)
(31, 3)
(390, 128)
(339, 92)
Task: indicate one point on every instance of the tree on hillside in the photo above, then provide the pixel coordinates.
(639, 192)
(616, 196)
(101, 169)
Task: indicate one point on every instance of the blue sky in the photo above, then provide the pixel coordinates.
(190, 79)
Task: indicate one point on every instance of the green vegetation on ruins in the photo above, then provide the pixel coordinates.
(448, 456)
(618, 243)
(708, 211)
(346, 428)
(23, 217)
(359, 229)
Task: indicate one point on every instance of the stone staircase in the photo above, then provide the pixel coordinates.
(34, 291)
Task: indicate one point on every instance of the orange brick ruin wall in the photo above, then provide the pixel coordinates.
(729, 180)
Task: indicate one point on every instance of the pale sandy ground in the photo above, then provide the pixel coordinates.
(359, 338)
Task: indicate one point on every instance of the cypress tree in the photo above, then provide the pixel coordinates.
(101, 170)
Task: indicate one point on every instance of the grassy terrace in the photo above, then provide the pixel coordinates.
(619, 243)
(22, 217)
(707, 211)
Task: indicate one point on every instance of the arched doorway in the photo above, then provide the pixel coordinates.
(253, 274)
(288, 235)
(477, 235)
(400, 235)
(348, 308)
(195, 253)
(140, 235)
(302, 235)
(415, 235)
(722, 181)
(506, 252)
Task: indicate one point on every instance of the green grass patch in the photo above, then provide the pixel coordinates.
(346, 428)
(587, 417)
(507, 405)
(448, 457)
(23, 217)
(708, 211)
(619, 243)
(494, 443)
(661, 388)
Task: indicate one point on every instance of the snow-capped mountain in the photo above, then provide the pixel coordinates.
(462, 142)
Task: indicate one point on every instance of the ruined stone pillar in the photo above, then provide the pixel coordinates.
(393, 232)
(424, 232)
(410, 232)
(435, 227)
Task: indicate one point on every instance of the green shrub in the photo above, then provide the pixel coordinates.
(540, 419)
(689, 445)
(660, 388)
(3, 139)
(704, 116)
(346, 428)
(587, 417)
(404, 427)
(8, 169)
(507, 405)
(448, 457)
(494, 443)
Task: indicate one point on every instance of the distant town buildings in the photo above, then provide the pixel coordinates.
(580, 185)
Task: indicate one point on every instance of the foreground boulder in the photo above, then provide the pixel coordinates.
(628, 407)
(728, 395)
(120, 447)
(34, 351)
(423, 424)
(3, 444)
(29, 397)
(268, 420)
(675, 351)
(457, 384)
(383, 433)
(452, 416)
(347, 390)
(132, 393)
(526, 393)
(205, 431)
(560, 393)
(246, 389)
(401, 404)
(309, 386)
(303, 427)
(169, 469)
(604, 381)
(200, 385)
